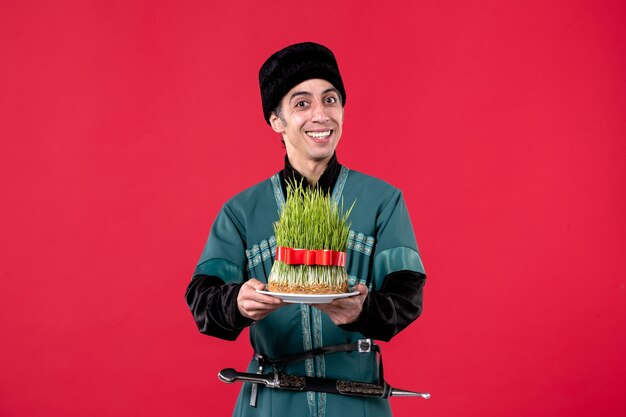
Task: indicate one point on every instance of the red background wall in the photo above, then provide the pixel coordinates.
(126, 124)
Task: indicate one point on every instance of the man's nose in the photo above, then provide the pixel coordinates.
(319, 112)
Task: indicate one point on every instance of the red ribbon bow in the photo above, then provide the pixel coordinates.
(324, 257)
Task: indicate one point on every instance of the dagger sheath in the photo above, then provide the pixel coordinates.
(305, 383)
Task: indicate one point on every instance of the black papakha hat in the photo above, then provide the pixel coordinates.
(292, 65)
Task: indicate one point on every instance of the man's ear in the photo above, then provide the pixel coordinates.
(276, 123)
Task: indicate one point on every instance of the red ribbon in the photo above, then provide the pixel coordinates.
(324, 257)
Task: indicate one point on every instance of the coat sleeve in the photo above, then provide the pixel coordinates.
(212, 293)
(397, 276)
(213, 305)
(396, 305)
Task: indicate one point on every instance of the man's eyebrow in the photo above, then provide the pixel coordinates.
(299, 93)
(307, 93)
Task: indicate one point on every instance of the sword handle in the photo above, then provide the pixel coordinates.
(229, 375)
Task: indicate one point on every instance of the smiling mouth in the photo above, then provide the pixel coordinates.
(319, 135)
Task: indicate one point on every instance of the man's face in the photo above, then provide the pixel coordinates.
(310, 122)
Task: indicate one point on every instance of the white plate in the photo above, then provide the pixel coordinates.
(308, 298)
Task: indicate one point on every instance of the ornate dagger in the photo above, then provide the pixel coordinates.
(305, 383)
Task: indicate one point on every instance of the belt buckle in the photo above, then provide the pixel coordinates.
(364, 345)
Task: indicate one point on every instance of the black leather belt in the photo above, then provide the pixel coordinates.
(362, 346)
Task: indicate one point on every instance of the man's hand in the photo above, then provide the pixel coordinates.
(253, 305)
(345, 310)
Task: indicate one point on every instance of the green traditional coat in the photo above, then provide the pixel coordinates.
(242, 246)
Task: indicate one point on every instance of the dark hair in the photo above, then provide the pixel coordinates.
(278, 111)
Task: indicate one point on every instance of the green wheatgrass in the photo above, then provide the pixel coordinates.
(310, 220)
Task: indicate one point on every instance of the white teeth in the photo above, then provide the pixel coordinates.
(319, 135)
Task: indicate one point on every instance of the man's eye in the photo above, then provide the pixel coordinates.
(301, 104)
(331, 100)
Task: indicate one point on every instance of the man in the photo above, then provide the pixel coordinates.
(303, 99)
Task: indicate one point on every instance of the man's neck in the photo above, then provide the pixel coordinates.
(311, 170)
(326, 181)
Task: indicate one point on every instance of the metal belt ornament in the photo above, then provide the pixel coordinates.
(324, 257)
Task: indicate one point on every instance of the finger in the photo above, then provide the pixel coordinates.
(262, 302)
(362, 289)
(256, 310)
(256, 284)
(267, 299)
(346, 303)
(329, 309)
(250, 291)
